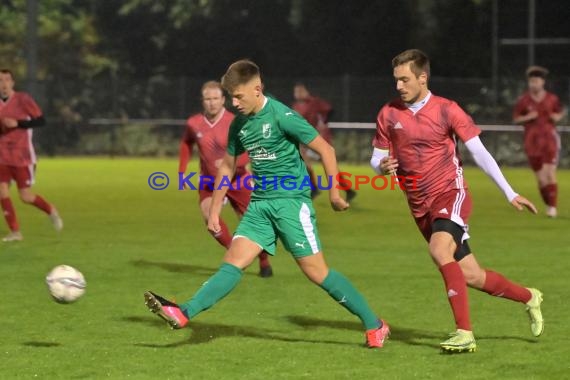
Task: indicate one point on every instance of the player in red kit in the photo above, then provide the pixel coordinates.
(317, 112)
(19, 113)
(416, 136)
(538, 111)
(209, 131)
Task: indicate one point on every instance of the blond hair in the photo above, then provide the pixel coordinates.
(212, 84)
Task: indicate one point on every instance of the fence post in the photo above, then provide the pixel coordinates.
(346, 97)
(115, 107)
(182, 96)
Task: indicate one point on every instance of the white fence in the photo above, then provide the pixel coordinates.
(160, 137)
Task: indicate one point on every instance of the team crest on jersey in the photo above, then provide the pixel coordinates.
(266, 130)
(199, 135)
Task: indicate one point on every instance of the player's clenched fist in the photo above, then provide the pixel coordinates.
(339, 204)
(214, 224)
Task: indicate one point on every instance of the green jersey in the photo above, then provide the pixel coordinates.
(271, 138)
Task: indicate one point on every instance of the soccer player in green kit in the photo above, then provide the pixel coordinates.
(280, 206)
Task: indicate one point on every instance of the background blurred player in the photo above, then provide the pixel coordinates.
(317, 112)
(19, 113)
(539, 110)
(271, 132)
(416, 135)
(209, 131)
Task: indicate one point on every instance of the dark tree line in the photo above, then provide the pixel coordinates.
(106, 41)
(83, 38)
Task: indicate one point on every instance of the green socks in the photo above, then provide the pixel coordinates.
(228, 276)
(213, 290)
(342, 290)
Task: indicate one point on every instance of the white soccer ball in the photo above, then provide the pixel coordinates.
(65, 283)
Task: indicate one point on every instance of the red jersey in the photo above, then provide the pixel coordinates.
(212, 140)
(16, 147)
(541, 128)
(315, 110)
(425, 145)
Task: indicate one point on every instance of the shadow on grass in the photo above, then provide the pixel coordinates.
(174, 267)
(201, 333)
(506, 337)
(150, 320)
(411, 336)
(397, 333)
(180, 268)
(41, 344)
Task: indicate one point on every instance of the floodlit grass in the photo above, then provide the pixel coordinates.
(127, 238)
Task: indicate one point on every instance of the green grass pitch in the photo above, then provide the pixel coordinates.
(127, 238)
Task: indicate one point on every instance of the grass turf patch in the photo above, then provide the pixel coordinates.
(127, 238)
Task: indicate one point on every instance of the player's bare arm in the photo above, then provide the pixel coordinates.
(328, 158)
(521, 119)
(556, 116)
(226, 170)
(29, 122)
(8, 122)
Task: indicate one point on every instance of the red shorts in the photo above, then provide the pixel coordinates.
(543, 150)
(454, 205)
(239, 199)
(22, 175)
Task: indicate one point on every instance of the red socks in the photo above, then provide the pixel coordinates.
(263, 259)
(549, 194)
(498, 286)
(10, 214)
(495, 285)
(225, 238)
(40, 203)
(457, 294)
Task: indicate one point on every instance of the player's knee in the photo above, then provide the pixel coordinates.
(237, 261)
(205, 213)
(474, 278)
(27, 198)
(316, 277)
(551, 178)
(315, 273)
(241, 253)
(441, 251)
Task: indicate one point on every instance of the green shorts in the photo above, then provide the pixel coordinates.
(291, 220)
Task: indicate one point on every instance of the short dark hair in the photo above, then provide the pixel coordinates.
(419, 60)
(240, 72)
(537, 71)
(7, 71)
